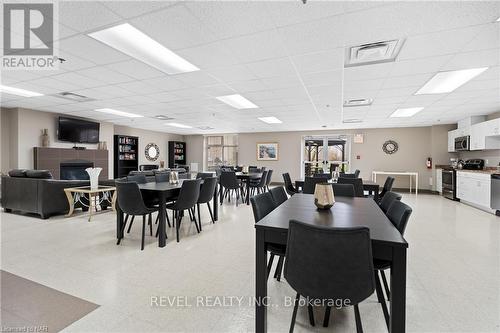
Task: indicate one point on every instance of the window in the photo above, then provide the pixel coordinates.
(221, 150)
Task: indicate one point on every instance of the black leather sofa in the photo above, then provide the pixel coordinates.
(34, 191)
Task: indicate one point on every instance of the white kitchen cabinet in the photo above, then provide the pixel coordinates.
(492, 127)
(439, 180)
(451, 140)
(477, 137)
(485, 135)
(474, 188)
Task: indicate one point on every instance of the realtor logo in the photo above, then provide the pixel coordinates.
(29, 36)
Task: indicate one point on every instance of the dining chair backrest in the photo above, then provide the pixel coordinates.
(139, 179)
(310, 184)
(207, 189)
(189, 194)
(129, 198)
(343, 190)
(356, 173)
(238, 168)
(263, 178)
(162, 177)
(262, 204)
(252, 168)
(325, 176)
(389, 181)
(269, 176)
(346, 175)
(356, 182)
(279, 195)
(290, 189)
(203, 175)
(388, 199)
(399, 214)
(329, 263)
(228, 180)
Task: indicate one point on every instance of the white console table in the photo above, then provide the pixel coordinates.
(410, 174)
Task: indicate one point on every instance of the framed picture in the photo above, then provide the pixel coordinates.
(267, 151)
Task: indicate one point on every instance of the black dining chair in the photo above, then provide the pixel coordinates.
(356, 182)
(343, 190)
(399, 214)
(337, 269)
(310, 184)
(229, 183)
(325, 176)
(162, 177)
(252, 168)
(388, 199)
(263, 204)
(290, 189)
(279, 195)
(268, 179)
(206, 194)
(203, 175)
(187, 199)
(149, 198)
(258, 184)
(389, 182)
(129, 198)
(356, 173)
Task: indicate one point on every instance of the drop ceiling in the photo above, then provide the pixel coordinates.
(286, 57)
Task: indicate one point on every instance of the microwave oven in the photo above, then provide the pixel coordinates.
(462, 143)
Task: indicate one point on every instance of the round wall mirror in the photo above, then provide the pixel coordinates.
(152, 152)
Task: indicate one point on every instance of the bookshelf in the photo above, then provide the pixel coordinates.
(176, 153)
(125, 155)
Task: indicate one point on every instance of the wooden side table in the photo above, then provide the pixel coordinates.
(95, 197)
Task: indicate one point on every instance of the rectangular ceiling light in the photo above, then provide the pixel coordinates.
(178, 125)
(119, 113)
(18, 91)
(270, 120)
(237, 101)
(445, 82)
(406, 112)
(133, 42)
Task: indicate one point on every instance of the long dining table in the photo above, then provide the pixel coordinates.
(164, 191)
(245, 176)
(387, 244)
(368, 185)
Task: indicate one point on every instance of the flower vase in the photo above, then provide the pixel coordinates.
(323, 196)
(45, 138)
(94, 177)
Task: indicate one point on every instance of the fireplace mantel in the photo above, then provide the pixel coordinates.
(46, 158)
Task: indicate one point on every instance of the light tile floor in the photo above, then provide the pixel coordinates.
(453, 272)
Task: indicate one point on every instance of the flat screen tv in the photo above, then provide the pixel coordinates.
(77, 130)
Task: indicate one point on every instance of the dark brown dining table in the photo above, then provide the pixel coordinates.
(164, 192)
(245, 176)
(387, 244)
(368, 185)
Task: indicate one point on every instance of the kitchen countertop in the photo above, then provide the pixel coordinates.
(487, 170)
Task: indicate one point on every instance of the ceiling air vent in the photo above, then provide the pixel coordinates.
(205, 128)
(373, 53)
(352, 121)
(358, 102)
(74, 97)
(163, 117)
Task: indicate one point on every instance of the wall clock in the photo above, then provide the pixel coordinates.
(390, 147)
(152, 152)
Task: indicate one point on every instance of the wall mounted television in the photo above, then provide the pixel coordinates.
(77, 130)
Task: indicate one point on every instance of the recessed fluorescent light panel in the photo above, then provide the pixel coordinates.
(237, 101)
(352, 121)
(119, 113)
(133, 42)
(18, 91)
(407, 112)
(270, 120)
(445, 82)
(178, 125)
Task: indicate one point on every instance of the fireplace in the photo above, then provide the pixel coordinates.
(75, 169)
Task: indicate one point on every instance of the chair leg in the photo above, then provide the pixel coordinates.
(326, 320)
(359, 327)
(130, 225)
(123, 229)
(194, 220)
(168, 220)
(158, 218)
(294, 315)
(143, 231)
(177, 224)
(210, 211)
(150, 225)
(199, 215)
(270, 265)
(386, 285)
(279, 268)
(381, 299)
(311, 314)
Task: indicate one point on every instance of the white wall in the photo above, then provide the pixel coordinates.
(194, 146)
(145, 137)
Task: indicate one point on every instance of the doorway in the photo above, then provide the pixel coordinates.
(322, 154)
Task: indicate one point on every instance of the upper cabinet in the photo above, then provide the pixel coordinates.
(451, 140)
(485, 135)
